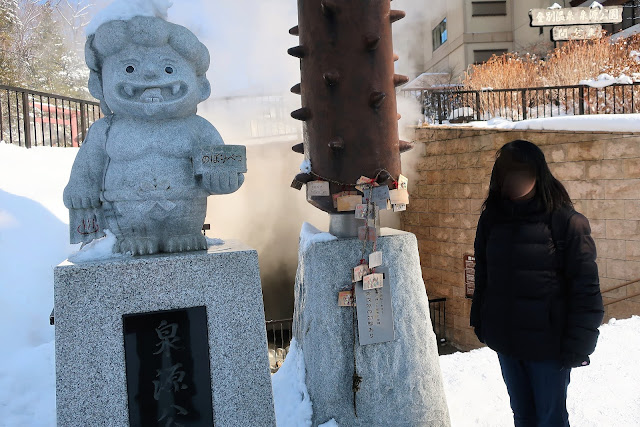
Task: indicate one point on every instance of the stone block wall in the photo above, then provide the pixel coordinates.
(600, 170)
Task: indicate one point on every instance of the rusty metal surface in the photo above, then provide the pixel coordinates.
(348, 91)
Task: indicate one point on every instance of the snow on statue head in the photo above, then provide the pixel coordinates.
(145, 170)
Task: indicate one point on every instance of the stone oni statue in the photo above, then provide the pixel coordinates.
(139, 172)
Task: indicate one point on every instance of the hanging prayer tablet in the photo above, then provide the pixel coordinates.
(364, 211)
(380, 196)
(375, 259)
(372, 281)
(359, 272)
(346, 299)
(365, 183)
(371, 236)
(403, 182)
(348, 203)
(399, 197)
(336, 196)
(317, 189)
(400, 207)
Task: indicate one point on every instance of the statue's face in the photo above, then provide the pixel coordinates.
(150, 83)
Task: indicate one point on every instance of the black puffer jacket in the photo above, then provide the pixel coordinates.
(523, 306)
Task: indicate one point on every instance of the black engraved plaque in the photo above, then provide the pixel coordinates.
(168, 371)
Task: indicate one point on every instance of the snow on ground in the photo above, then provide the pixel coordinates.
(586, 123)
(309, 235)
(604, 80)
(292, 402)
(33, 239)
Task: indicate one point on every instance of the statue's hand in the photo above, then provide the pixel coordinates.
(79, 197)
(222, 181)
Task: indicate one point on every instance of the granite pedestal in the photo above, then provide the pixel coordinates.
(401, 379)
(91, 299)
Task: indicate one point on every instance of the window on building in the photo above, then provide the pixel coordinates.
(489, 8)
(439, 34)
(480, 56)
(630, 17)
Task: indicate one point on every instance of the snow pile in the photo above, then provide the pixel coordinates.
(291, 399)
(214, 242)
(606, 390)
(586, 123)
(305, 167)
(97, 250)
(555, 6)
(596, 5)
(123, 10)
(604, 80)
(34, 239)
(310, 235)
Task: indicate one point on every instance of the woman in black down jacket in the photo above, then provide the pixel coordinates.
(537, 299)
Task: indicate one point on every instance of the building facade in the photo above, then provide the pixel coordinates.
(459, 33)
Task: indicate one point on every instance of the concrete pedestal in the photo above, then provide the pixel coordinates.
(91, 298)
(401, 380)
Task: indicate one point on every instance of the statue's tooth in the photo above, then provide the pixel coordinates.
(175, 88)
(128, 89)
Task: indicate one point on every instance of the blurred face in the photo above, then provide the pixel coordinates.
(519, 185)
(150, 83)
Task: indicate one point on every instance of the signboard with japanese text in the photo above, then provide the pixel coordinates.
(575, 16)
(168, 369)
(576, 32)
(469, 275)
(375, 315)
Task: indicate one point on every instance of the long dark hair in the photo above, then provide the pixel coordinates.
(551, 191)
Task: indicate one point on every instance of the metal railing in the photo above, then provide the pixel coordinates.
(634, 295)
(280, 332)
(438, 311)
(29, 118)
(439, 106)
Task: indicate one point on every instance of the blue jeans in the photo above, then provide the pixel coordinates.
(537, 390)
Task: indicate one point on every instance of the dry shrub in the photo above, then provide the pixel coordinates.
(565, 65)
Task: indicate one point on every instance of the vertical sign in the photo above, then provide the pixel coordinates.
(167, 366)
(469, 275)
(375, 315)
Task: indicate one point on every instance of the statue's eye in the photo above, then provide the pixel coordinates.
(168, 70)
(130, 69)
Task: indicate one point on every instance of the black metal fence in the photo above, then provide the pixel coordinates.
(280, 332)
(29, 118)
(455, 106)
(438, 311)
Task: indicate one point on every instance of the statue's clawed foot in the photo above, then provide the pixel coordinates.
(137, 245)
(190, 242)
